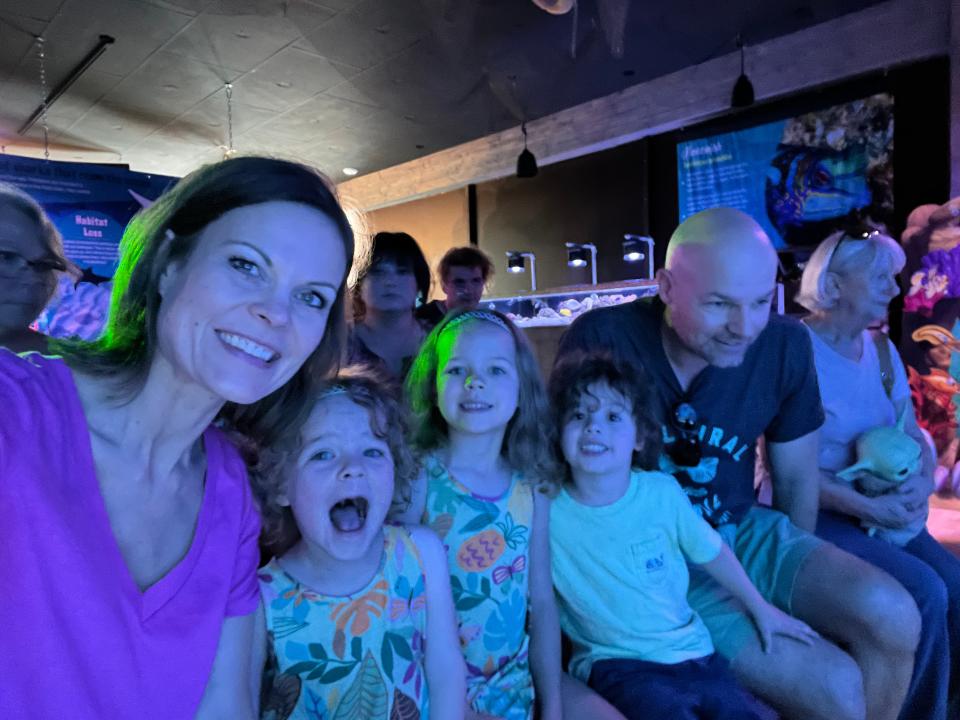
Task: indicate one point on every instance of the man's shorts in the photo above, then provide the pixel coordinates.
(772, 551)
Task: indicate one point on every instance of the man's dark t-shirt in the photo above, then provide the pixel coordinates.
(773, 393)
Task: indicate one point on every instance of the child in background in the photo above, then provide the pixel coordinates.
(479, 408)
(358, 615)
(618, 537)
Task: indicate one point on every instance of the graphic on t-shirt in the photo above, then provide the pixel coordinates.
(708, 504)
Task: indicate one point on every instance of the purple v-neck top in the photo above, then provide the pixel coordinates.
(78, 638)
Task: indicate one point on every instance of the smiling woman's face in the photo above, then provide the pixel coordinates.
(247, 308)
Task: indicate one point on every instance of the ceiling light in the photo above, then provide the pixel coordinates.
(78, 70)
(516, 264)
(582, 254)
(349, 171)
(743, 89)
(526, 162)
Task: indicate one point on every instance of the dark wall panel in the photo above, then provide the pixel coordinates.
(596, 198)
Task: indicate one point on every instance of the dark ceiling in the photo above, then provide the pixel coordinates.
(360, 83)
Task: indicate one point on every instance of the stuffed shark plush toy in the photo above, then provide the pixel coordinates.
(886, 457)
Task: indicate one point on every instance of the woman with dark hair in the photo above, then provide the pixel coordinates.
(31, 258)
(386, 333)
(129, 536)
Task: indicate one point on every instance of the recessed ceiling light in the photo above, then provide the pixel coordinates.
(350, 171)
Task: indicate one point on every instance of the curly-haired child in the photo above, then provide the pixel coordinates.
(620, 536)
(358, 615)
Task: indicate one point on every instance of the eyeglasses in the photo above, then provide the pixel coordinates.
(685, 450)
(13, 264)
(853, 234)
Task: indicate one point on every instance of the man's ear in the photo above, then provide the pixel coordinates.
(664, 285)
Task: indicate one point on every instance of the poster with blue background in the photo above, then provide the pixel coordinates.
(90, 206)
(798, 177)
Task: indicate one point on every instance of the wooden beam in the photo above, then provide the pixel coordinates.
(882, 36)
(33, 147)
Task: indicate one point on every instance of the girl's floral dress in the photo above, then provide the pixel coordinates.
(488, 545)
(355, 657)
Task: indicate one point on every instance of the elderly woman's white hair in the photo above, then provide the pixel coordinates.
(840, 252)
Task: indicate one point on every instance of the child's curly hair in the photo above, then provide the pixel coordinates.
(270, 464)
(528, 440)
(575, 373)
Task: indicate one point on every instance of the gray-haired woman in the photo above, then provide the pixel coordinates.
(31, 257)
(847, 285)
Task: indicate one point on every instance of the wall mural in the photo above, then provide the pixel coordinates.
(931, 331)
(800, 177)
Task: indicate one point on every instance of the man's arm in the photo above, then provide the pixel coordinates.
(795, 476)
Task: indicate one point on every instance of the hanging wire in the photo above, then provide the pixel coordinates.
(42, 55)
(573, 34)
(229, 151)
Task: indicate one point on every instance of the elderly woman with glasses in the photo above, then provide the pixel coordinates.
(31, 257)
(847, 285)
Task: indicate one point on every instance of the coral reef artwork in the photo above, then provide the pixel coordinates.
(931, 331)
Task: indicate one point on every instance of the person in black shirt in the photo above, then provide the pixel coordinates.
(726, 375)
(464, 274)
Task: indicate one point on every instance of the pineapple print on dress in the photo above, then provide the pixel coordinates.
(348, 658)
(488, 543)
(480, 551)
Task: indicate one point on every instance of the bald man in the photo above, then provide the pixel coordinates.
(727, 374)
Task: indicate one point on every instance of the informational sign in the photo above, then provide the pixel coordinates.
(90, 206)
(797, 177)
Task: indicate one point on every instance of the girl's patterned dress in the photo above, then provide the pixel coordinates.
(355, 657)
(488, 544)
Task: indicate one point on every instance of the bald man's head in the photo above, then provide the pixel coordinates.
(717, 284)
(724, 230)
